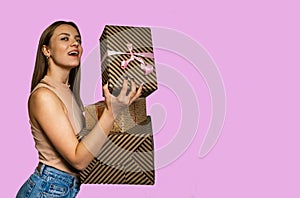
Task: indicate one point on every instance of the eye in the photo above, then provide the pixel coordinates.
(79, 41)
(64, 39)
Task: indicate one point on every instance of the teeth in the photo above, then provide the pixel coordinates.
(73, 53)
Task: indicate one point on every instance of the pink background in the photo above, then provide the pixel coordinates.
(255, 45)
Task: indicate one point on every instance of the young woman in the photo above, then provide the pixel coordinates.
(55, 112)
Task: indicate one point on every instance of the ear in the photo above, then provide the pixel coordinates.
(46, 51)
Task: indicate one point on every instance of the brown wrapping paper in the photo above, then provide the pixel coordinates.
(128, 118)
(125, 158)
(127, 52)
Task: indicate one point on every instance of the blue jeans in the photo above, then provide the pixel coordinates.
(49, 182)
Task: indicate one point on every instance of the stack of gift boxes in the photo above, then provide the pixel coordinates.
(127, 156)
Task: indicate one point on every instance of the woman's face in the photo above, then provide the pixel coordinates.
(65, 48)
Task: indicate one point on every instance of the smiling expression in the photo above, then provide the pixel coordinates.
(65, 48)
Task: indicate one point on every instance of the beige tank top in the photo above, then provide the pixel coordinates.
(46, 151)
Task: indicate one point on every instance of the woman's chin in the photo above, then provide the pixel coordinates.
(73, 65)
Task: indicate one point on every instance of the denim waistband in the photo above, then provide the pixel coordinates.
(48, 172)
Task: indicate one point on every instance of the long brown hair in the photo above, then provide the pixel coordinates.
(41, 63)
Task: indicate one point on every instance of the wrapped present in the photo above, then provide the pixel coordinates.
(126, 119)
(125, 158)
(127, 52)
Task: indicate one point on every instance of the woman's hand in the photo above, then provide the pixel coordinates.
(114, 105)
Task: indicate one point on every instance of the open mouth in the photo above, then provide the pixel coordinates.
(73, 53)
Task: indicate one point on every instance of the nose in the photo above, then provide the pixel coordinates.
(75, 43)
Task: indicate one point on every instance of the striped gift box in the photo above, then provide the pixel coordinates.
(125, 158)
(127, 52)
(126, 119)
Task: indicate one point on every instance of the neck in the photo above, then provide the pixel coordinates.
(59, 74)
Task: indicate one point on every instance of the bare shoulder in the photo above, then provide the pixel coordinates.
(42, 95)
(43, 99)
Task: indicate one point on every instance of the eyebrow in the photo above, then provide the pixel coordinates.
(67, 34)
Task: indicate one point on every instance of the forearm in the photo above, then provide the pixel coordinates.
(92, 143)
